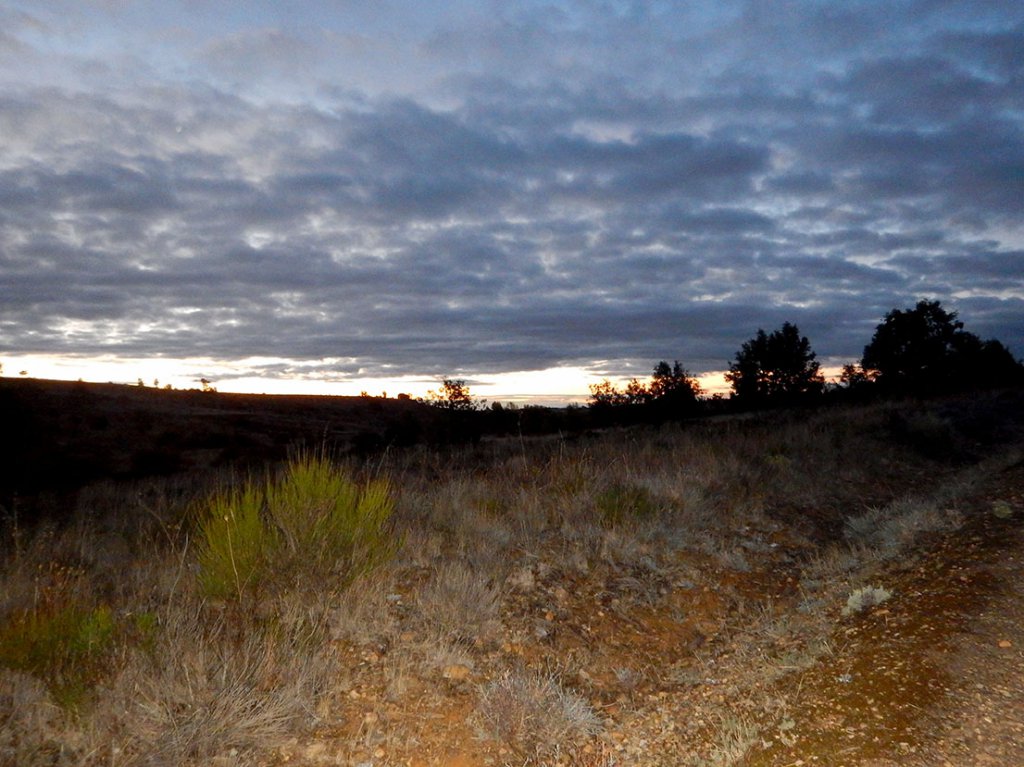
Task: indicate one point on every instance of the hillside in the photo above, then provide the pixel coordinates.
(837, 587)
(60, 436)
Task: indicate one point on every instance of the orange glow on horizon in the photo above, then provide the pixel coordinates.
(554, 386)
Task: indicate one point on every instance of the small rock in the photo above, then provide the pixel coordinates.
(457, 672)
(315, 751)
(1004, 643)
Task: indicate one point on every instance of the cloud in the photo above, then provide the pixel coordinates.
(533, 196)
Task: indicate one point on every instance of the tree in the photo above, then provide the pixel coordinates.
(926, 350)
(673, 391)
(605, 395)
(775, 368)
(454, 395)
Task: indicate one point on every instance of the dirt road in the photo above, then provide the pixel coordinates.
(935, 675)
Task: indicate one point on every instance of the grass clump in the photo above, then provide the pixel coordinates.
(216, 683)
(624, 501)
(862, 599)
(534, 715)
(313, 522)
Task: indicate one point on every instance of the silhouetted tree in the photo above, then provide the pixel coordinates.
(673, 391)
(996, 366)
(605, 395)
(775, 368)
(926, 350)
(856, 377)
(453, 395)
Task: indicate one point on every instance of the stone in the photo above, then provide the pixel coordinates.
(457, 672)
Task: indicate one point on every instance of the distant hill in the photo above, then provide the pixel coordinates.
(59, 435)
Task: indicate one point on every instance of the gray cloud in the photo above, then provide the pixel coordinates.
(536, 196)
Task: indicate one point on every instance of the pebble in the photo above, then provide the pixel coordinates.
(457, 672)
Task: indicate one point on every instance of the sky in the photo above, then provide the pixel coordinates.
(335, 197)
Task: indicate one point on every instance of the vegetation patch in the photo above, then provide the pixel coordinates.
(624, 501)
(534, 715)
(313, 522)
(866, 597)
(69, 647)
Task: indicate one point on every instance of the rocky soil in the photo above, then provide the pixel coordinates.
(750, 666)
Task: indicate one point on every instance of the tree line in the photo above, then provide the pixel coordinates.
(920, 351)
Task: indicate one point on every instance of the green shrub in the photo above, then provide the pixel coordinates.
(68, 647)
(237, 545)
(311, 523)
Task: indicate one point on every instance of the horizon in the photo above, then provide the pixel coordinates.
(534, 387)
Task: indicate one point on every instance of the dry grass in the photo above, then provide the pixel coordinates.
(493, 549)
(460, 605)
(208, 687)
(535, 715)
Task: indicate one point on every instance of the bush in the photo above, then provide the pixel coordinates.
(68, 647)
(312, 523)
(237, 545)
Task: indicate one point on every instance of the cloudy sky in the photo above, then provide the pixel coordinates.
(364, 195)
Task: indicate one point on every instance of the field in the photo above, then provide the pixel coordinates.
(826, 587)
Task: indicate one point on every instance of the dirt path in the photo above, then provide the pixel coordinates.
(935, 675)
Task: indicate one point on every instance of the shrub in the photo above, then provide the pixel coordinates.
(311, 523)
(326, 520)
(622, 502)
(236, 543)
(66, 646)
(534, 715)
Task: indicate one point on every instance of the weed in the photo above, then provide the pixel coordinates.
(892, 528)
(863, 598)
(216, 682)
(67, 646)
(1001, 509)
(734, 738)
(460, 604)
(32, 727)
(534, 715)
